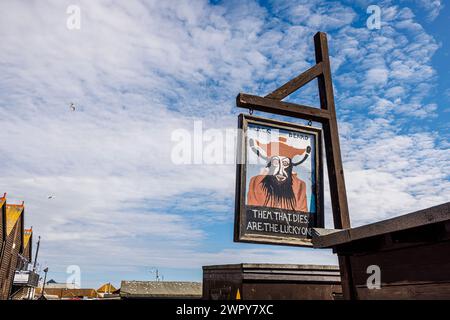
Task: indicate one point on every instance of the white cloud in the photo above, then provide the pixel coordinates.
(396, 91)
(389, 173)
(432, 6)
(377, 76)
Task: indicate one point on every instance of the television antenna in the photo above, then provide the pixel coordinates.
(158, 277)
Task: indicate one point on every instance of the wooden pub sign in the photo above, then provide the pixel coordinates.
(279, 182)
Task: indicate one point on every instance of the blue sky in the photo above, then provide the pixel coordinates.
(139, 70)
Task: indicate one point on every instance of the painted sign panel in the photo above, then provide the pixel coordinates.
(279, 189)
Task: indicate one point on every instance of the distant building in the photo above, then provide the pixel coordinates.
(68, 294)
(52, 284)
(65, 291)
(25, 279)
(108, 291)
(13, 246)
(107, 288)
(27, 249)
(16, 279)
(2, 228)
(160, 290)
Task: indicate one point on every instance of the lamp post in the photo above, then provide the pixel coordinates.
(43, 285)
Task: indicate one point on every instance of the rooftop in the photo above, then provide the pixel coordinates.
(13, 212)
(27, 236)
(160, 289)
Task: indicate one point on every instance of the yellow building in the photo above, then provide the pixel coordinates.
(13, 245)
(106, 288)
(16, 280)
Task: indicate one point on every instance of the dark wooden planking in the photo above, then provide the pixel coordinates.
(331, 239)
(290, 291)
(320, 236)
(266, 239)
(411, 251)
(436, 214)
(434, 291)
(249, 101)
(290, 267)
(296, 83)
(289, 277)
(346, 277)
(294, 272)
(221, 282)
(416, 264)
(419, 218)
(271, 281)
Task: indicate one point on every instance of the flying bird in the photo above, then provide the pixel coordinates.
(50, 197)
(72, 106)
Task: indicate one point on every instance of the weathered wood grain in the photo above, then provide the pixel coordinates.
(419, 218)
(249, 101)
(296, 83)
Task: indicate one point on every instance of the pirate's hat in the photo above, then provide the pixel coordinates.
(280, 148)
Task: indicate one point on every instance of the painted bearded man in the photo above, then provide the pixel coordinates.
(279, 187)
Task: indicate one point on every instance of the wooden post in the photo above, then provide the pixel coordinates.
(331, 136)
(333, 153)
(326, 114)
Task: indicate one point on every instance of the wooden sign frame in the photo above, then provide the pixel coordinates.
(240, 230)
(326, 115)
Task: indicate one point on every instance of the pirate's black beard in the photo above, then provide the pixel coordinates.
(278, 194)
